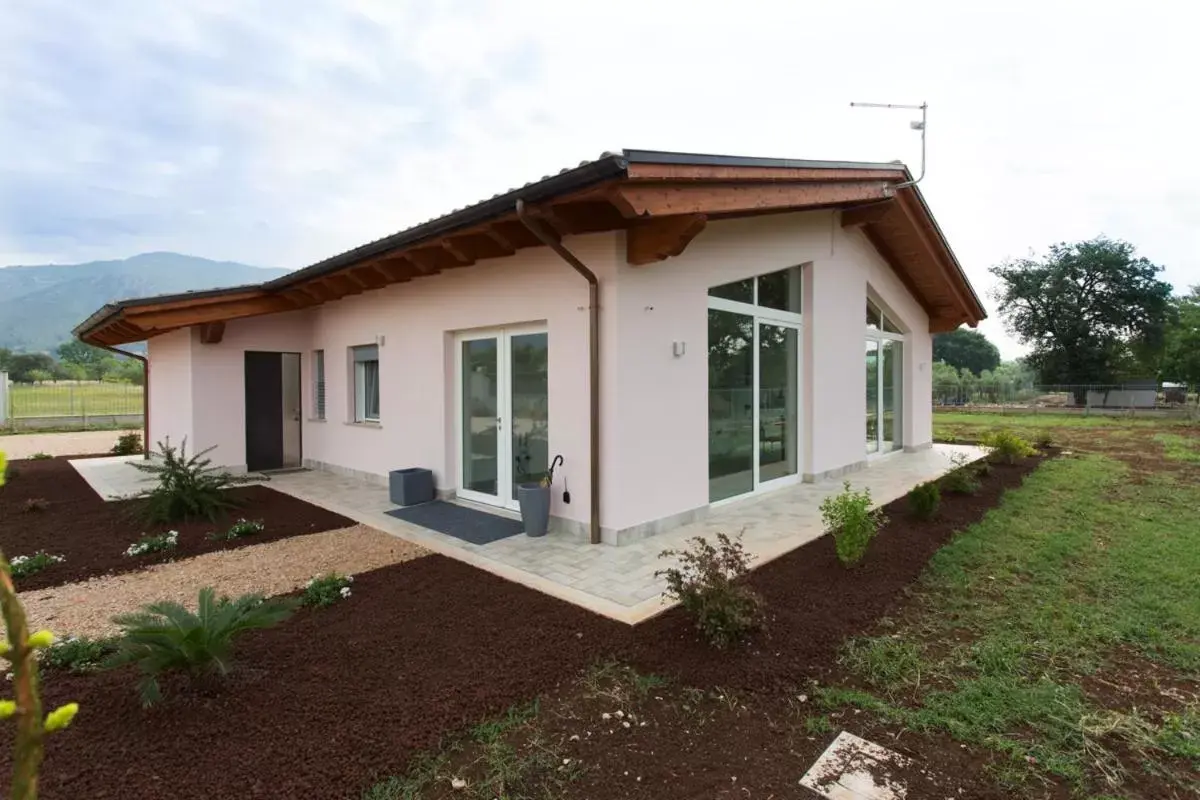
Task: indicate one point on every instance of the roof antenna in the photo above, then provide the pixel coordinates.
(916, 125)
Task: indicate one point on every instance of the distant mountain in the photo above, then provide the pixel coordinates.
(40, 305)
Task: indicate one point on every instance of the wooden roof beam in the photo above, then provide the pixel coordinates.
(661, 237)
(127, 331)
(181, 317)
(667, 199)
(395, 269)
(898, 269)
(868, 214)
(301, 298)
(427, 262)
(368, 278)
(212, 332)
(935, 250)
(341, 286)
(317, 291)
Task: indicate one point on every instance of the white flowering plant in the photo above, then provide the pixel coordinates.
(24, 566)
(325, 590)
(245, 527)
(154, 543)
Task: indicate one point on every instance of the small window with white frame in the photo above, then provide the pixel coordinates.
(318, 373)
(365, 368)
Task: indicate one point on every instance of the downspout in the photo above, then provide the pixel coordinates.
(145, 394)
(551, 239)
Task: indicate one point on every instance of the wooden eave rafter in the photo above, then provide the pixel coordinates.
(662, 208)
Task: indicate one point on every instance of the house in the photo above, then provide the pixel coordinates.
(683, 329)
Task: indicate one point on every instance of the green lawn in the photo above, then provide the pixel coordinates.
(65, 399)
(1052, 632)
(943, 420)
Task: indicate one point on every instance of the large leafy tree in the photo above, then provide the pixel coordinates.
(92, 359)
(1181, 354)
(966, 349)
(1090, 312)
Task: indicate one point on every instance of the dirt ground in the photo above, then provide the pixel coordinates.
(92, 535)
(332, 701)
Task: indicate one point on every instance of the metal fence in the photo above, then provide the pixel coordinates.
(1126, 398)
(76, 404)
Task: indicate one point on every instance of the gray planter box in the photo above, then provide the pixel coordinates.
(535, 507)
(408, 487)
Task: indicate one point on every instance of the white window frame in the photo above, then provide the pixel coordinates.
(879, 336)
(358, 381)
(784, 319)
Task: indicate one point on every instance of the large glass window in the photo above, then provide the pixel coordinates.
(480, 416)
(730, 404)
(753, 382)
(778, 361)
(889, 401)
(872, 396)
(366, 383)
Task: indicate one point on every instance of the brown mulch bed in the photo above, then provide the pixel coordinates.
(329, 702)
(92, 534)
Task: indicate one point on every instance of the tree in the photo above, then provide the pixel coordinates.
(1089, 311)
(1181, 353)
(85, 355)
(966, 349)
(20, 365)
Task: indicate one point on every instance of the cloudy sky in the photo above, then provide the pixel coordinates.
(278, 133)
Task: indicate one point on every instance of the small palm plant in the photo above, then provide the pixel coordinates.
(166, 637)
(188, 487)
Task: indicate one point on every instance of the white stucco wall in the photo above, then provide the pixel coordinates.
(659, 430)
(170, 388)
(417, 321)
(654, 409)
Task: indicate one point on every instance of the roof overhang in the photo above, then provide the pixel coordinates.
(662, 200)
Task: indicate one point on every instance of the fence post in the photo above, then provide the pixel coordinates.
(3, 397)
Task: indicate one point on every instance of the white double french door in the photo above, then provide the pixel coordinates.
(502, 382)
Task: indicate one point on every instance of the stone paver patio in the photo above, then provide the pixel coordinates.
(616, 581)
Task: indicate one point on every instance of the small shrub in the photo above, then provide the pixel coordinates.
(40, 457)
(188, 488)
(245, 527)
(963, 479)
(924, 499)
(706, 585)
(154, 543)
(35, 504)
(24, 566)
(325, 590)
(1044, 440)
(853, 522)
(128, 444)
(1007, 446)
(165, 637)
(78, 653)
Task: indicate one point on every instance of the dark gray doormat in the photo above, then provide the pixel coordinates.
(476, 527)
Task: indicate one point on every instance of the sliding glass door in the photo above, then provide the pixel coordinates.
(753, 383)
(885, 374)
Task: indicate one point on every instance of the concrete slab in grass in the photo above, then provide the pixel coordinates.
(852, 768)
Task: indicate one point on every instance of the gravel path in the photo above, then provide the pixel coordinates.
(86, 608)
(23, 445)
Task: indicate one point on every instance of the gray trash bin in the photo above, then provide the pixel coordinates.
(408, 487)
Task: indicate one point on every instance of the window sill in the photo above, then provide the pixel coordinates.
(317, 419)
(366, 423)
